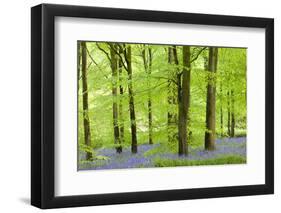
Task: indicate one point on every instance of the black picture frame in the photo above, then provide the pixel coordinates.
(43, 102)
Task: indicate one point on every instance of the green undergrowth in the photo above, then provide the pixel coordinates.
(228, 159)
(160, 149)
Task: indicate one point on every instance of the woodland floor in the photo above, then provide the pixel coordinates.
(228, 151)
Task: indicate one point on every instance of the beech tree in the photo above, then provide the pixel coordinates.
(158, 101)
(128, 59)
(232, 128)
(172, 96)
(121, 92)
(210, 134)
(86, 120)
(113, 59)
(228, 114)
(147, 62)
(184, 100)
(114, 68)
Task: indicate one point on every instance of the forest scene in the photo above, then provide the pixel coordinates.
(152, 105)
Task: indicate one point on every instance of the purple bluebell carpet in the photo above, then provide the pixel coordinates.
(113, 160)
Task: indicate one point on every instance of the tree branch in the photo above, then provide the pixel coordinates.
(138, 92)
(80, 77)
(170, 79)
(107, 55)
(125, 54)
(120, 57)
(200, 51)
(94, 62)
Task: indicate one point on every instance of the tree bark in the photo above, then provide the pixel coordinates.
(147, 61)
(221, 110)
(121, 92)
(86, 121)
(78, 80)
(149, 104)
(114, 69)
(128, 55)
(184, 102)
(228, 114)
(172, 101)
(210, 134)
(232, 129)
(78, 62)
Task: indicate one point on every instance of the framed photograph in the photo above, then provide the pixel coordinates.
(139, 106)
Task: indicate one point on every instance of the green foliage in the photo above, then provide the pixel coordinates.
(84, 164)
(161, 149)
(230, 76)
(86, 149)
(100, 157)
(228, 159)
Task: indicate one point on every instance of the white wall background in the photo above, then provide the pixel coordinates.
(15, 105)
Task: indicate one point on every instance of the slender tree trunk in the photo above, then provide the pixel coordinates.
(172, 101)
(134, 146)
(184, 102)
(181, 118)
(221, 121)
(210, 134)
(121, 92)
(232, 129)
(147, 62)
(221, 110)
(78, 80)
(78, 62)
(86, 120)
(228, 114)
(114, 68)
(149, 104)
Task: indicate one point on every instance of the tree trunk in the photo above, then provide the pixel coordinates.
(172, 101)
(228, 114)
(147, 62)
(149, 104)
(121, 92)
(221, 110)
(114, 68)
(232, 129)
(221, 121)
(78, 80)
(184, 102)
(86, 121)
(210, 134)
(128, 56)
(78, 62)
